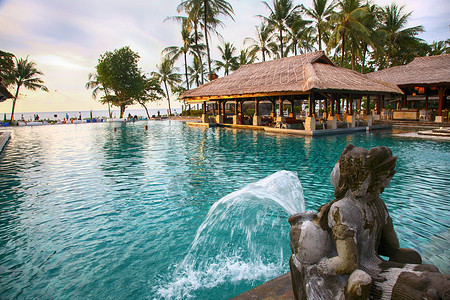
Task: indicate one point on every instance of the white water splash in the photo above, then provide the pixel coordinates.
(245, 237)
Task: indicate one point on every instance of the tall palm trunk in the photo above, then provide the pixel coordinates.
(343, 47)
(14, 103)
(168, 98)
(205, 24)
(364, 58)
(320, 39)
(281, 43)
(186, 70)
(198, 50)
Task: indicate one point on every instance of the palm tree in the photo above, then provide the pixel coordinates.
(208, 11)
(174, 52)
(196, 74)
(398, 38)
(296, 31)
(320, 13)
(264, 36)
(167, 74)
(25, 74)
(246, 56)
(96, 87)
(193, 10)
(229, 59)
(375, 40)
(439, 48)
(283, 11)
(348, 22)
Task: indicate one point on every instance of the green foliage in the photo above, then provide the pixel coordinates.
(6, 65)
(118, 72)
(27, 75)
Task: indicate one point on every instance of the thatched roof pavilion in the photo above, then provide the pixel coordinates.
(424, 75)
(311, 76)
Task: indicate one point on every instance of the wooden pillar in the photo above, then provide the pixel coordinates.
(350, 101)
(256, 107)
(220, 107)
(368, 105)
(280, 106)
(204, 107)
(236, 112)
(404, 100)
(359, 103)
(292, 106)
(311, 105)
(333, 99)
(338, 104)
(273, 108)
(441, 99)
(240, 107)
(378, 104)
(224, 106)
(326, 107)
(426, 98)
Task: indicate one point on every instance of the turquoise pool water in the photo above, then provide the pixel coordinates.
(87, 212)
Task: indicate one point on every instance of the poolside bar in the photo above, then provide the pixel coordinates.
(309, 80)
(425, 83)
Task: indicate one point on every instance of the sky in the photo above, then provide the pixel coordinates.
(65, 39)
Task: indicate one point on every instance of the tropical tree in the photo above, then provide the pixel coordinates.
(174, 52)
(27, 75)
(397, 38)
(152, 92)
(229, 59)
(439, 48)
(320, 12)
(209, 12)
(168, 75)
(246, 56)
(296, 32)
(6, 64)
(283, 12)
(118, 72)
(96, 86)
(263, 41)
(348, 22)
(196, 74)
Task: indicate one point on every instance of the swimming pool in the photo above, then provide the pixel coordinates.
(89, 212)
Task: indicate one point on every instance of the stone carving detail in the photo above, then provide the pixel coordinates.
(336, 252)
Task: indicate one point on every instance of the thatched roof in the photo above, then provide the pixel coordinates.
(4, 93)
(299, 74)
(428, 70)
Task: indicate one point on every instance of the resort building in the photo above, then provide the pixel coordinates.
(425, 83)
(310, 80)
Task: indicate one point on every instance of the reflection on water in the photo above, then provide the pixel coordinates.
(89, 212)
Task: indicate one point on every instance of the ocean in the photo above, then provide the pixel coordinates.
(60, 115)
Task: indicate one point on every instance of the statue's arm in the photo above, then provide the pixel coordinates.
(389, 246)
(346, 260)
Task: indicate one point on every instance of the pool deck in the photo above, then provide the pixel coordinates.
(277, 288)
(4, 138)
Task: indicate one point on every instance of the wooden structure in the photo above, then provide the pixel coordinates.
(427, 76)
(310, 77)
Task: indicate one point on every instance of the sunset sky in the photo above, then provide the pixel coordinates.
(66, 38)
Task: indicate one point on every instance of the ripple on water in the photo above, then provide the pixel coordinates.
(86, 212)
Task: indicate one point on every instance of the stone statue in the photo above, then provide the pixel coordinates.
(336, 252)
